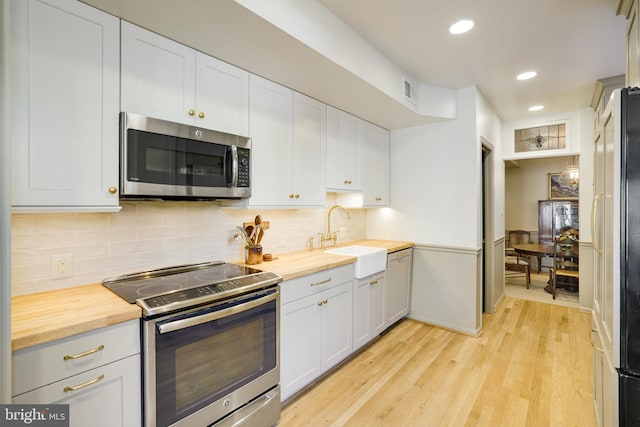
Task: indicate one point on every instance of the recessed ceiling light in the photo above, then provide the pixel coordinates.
(527, 75)
(461, 26)
(536, 108)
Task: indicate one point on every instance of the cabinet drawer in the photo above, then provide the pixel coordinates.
(44, 364)
(291, 290)
(107, 396)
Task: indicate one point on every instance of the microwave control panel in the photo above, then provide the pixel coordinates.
(243, 167)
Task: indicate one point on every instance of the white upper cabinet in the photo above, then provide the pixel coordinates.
(375, 166)
(344, 138)
(271, 130)
(167, 80)
(158, 76)
(308, 151)
(222, 95)
(287, 146)
(63, 73)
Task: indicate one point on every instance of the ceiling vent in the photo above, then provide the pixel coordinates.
(410, 90)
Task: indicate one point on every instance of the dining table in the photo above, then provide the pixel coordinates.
(537, 250)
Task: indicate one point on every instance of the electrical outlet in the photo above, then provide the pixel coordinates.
(343, 232)
(61, 266)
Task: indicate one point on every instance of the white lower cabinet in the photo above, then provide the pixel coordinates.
(97, 373)
(397, 290)
(368, 308)
(315, 326)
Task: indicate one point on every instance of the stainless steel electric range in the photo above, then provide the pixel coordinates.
(210, 342)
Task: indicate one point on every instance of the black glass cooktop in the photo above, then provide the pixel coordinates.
(173, 288)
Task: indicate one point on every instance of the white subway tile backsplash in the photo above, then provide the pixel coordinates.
(150, 234)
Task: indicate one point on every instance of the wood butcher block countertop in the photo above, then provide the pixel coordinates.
(47, 316)
(296, 264)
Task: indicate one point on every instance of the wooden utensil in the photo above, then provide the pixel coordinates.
(256, 229)
(249, 229)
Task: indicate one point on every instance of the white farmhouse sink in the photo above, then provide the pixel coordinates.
(369, 259)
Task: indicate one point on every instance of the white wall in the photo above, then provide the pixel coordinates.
(435, 203)
(434, 177)
(489, 130)
(148, 235)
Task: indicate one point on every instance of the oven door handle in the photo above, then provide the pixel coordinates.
(176, 325)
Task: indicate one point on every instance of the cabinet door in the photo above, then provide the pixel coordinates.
(308, 152)
(107, 396)
(604, 238)
(158, 76)
(397, 285)
(545, 222)
(377, 286)
(63, 122)
(597, 226)
(375, 166)
(598, 366)
(300, 345)
(335, 324)
(271, 131)
(361, 313)
(222, 96)
(343, 150)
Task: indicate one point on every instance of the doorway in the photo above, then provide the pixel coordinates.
(527, 192)
(489, 287)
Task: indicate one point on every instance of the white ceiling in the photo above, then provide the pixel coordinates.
(570, 43)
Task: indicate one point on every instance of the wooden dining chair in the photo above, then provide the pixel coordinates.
(565, 272)
(515, 264)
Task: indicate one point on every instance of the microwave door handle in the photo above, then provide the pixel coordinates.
(176, 325)
(233, 151)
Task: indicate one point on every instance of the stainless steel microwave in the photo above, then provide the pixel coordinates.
(166, 160)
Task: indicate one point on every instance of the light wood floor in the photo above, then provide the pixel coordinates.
(530, 367)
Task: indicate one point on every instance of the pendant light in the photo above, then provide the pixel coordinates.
(573, 171)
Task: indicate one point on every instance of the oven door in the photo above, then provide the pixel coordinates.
(202, 365)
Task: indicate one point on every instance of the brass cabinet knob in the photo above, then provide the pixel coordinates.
(378, 199)
(113, 190)
(192, 112)
(291, 196)
(297, 196)
(347, 181)
(201, 115)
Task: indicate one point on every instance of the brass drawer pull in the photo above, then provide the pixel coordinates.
(83, 385)
(86, 353)
(322, 282)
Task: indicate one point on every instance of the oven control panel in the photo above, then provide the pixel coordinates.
(202, 294)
